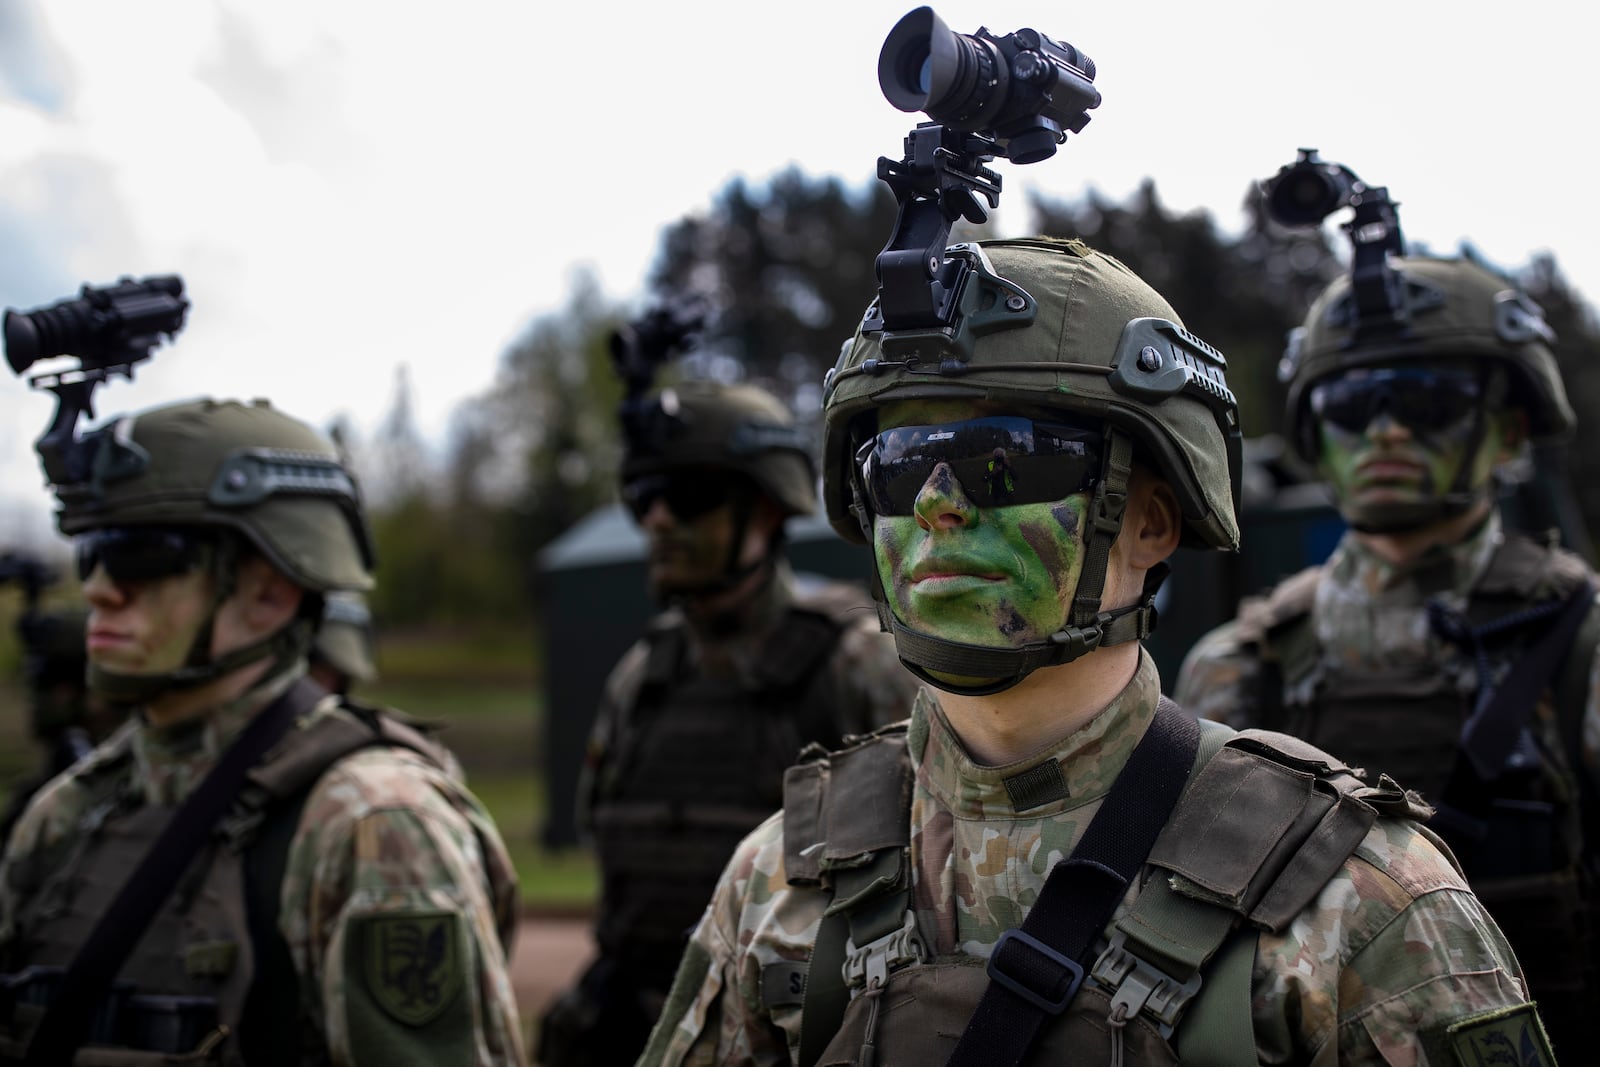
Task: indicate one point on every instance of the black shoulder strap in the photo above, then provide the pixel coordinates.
(284, 785)
(87, 978)
(1490, 735)
(1035, 970)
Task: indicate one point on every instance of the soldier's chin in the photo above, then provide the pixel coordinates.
(962, 683)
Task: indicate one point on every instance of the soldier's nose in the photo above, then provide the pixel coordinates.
(942, 503)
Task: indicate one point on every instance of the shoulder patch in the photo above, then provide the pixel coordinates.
(411, 963)
(1507, 1037)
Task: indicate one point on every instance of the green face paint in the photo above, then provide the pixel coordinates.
(993, 577)
(1389, 464)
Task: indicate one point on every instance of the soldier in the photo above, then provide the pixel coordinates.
(63, 716)
(342, 654)
(1435, 644)
(1049, 863)
(701, 716)
(343, 899)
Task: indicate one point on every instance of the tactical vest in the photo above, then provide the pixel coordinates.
(1263, 824)
(211, 980)
(697, 763)
(1520, 841)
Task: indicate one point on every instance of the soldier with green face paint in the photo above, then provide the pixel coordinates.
(252, 870)
(1050, 862)
(1436, 644)
(743, 668)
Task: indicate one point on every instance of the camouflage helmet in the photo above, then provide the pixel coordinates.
(740, 428)
(247, 467)
(1454, 308)
(1048, 324)
(1086, 315)
(345, 637)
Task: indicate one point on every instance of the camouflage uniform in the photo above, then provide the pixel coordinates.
(350, 902)
(1369, 615)
(383, 833)
(1388, 664)
(1369, 950)
(1392, 946)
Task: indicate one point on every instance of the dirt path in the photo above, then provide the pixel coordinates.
(549, 955)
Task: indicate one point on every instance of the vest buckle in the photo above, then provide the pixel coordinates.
(1137, 985)
(869, 966)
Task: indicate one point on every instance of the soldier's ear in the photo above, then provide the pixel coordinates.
(268, 598)
(1512, 424)
(1152, 523)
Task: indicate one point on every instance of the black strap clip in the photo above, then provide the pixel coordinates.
(1036, 978)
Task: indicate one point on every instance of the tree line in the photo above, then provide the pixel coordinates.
(786, 268)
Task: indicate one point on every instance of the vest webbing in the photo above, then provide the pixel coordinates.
(1225, 872)
(791, 666)
(264, 824)
(260, 822)
(664, 835)
(1559, 655)
(66, 1022)
(1036, 969)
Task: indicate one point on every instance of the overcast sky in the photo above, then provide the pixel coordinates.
(350, 186)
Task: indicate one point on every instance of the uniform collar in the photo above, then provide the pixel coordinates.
(1089, 759)
(1452, 568)
(733, 643)
(173, 759)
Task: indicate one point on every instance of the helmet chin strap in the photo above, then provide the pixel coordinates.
(986, 670)
(733, 572)
(285, 646)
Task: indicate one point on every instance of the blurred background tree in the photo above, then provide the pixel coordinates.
(786, 269)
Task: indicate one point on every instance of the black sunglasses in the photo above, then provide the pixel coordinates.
(1419, 398)
(999, 460)
(687, 494)
(141, 553)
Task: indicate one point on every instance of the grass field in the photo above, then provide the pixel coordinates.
(483, 689)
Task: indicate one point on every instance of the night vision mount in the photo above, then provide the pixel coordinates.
(638, 350)
(1013, 97)
(108, 329)
(1305, 192)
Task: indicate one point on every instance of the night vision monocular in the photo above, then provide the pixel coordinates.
(1023, 89)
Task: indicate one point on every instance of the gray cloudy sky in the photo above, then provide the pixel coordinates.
(348, 186)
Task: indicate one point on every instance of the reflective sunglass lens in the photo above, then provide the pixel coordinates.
(134, 554)
(686, 496)
(1423, 400)
(999, 461)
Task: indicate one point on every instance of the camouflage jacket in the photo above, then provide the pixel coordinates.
(1394, 947)
(1370, 616)
(384, 834)
(873, 687)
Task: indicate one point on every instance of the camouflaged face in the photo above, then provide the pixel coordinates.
(1392, 951)
(1459, 309)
